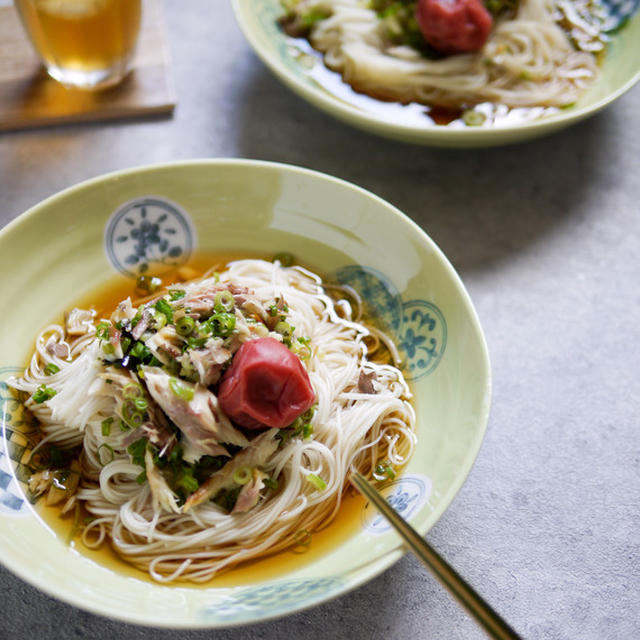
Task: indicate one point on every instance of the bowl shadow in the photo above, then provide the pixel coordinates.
(482, 206)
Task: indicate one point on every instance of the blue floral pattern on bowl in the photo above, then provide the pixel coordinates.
(269, 600)
(407, 495)
(19, 435)
(148, 235)
(418, 326)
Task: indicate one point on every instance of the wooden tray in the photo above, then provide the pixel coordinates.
(30, 98)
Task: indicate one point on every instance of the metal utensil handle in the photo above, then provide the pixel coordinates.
(466, 595)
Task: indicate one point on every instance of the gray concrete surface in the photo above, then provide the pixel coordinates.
(546, 236)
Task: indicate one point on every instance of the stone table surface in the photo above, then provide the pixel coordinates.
(546, 237)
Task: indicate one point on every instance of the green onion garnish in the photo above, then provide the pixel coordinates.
(51, 368)
(176, 294)
(185, 326)
(164, 307)
(301, 541)
(473, 118)
(140, 351)
(270, 483)
(125, 343)
(131, 415)
(284, 258)
(384, 469)
(242, 475)
(140, 404)
(106, 426)
(223, 301)
(181, 389)
(222, 324)
(43, 393)
(132, 390)
(317, 481)
(187, 481)
(142, 477)
(105, 454)
(108, 348)
(136, 451)
(159, 320)
(102, 330)
(148, 283)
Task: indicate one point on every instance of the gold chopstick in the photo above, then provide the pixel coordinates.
(475, 605)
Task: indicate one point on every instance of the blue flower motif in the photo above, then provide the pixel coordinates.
(146, 231)
(401, 500)
(410, 342)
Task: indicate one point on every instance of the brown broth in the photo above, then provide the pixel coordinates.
(347, 522)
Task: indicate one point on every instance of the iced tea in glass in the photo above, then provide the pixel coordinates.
(83, 43)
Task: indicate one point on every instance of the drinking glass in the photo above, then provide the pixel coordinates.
(87, 44)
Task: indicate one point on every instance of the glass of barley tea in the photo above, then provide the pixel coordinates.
(87, 44)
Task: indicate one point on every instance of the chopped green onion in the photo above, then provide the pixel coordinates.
(176, 294)
(317, 481)
(187, 480)
(195, 343)
(473, 118)
(270, 483)
(159, 320)
(164, 307)
(242, 475)
(185, 326)
(301, 348)
(125, 343)
(106, 426)
(223, 301)
(140, 351)
(222, 324)
(284, 258)
(105, 458)
(102, 330)
(285, 330)
(108, 348)
(301, 541)
(181, 389)
(142, 477)
(148, 283)
(131, 415)
(137, 317)
(132, 390)
(43, 393)
(51, 368)
(140, 404)
(136, 451)
(384, 469)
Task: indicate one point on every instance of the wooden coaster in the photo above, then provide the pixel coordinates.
(30, 98)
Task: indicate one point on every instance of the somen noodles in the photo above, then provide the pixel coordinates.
(457, 53)
(215, 421)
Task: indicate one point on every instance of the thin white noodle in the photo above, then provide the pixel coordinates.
(527, 61)
(349, 428)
